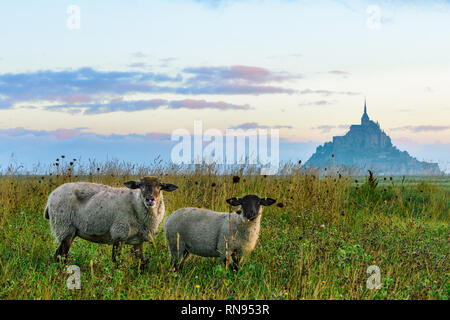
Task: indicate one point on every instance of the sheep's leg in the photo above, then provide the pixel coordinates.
(178, 255)
(119, 233)
(184, 257)
(64, 247)
(116, 250)
(236, 258)
(139, 253)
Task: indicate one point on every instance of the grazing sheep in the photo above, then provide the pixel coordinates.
(214, 234)
(104, 214)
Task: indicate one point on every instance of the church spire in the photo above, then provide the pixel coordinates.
(365, 117)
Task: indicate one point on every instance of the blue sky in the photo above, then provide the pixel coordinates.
(137, 70)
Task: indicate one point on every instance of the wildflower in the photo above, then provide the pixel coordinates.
(197, 286)
(324, 282)
(280, 205)
(213, 184)
(236, 179)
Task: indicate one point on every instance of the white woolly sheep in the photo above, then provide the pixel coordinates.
(103, 214)
(214, 234)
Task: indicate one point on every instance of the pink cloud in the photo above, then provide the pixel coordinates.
(239, 73)
(77, 98)
(64, 134)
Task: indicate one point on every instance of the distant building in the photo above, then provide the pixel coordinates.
(365, 147)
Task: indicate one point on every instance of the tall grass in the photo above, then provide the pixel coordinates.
(315, 243)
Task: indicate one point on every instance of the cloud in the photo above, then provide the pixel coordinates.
(202, 104)
(340, 73)
(34, 147)
(59, 134)
(62, 85)
(329, 92)
(317, 103)
(138, 65)
(255, 125)
(421, 128)
(328, 128)
(140, 105)
(139, 54)
(233, 89)
(168, 60)
(87, 85)
(68, 134)
(85, 90)
(244, 74)
(234, 80)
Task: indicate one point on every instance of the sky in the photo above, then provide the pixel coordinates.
(116, 82)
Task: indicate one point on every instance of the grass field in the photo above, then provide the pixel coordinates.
(317, 243)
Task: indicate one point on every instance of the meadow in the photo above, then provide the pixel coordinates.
(316, 242)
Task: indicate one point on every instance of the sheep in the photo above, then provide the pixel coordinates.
(214, 234)
(107, 215)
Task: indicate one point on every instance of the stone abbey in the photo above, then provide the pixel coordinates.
(365, 146)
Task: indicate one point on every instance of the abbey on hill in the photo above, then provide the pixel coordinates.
(365, 147)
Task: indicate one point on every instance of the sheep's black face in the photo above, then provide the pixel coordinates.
(151, 188)
(149, 194)
(251, 205)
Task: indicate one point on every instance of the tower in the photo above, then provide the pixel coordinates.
(365, 118)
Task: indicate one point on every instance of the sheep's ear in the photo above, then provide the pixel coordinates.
(234, 201)
(267, 201)
(132, 184)
(168, 187)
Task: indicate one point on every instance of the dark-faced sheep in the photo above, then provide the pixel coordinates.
(103, 214)
(214, 234)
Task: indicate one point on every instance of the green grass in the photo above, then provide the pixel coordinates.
(317, 245)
